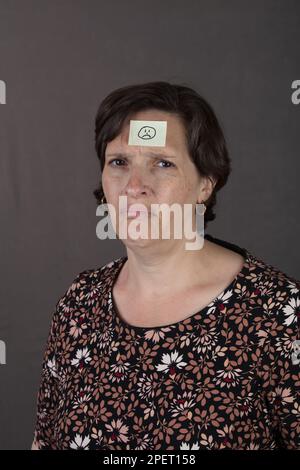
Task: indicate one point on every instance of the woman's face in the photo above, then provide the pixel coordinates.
(151, 174)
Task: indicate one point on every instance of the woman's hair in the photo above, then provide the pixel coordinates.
(205, 139)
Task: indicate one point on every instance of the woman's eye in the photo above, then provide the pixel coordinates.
(115, 160)
(165, 161)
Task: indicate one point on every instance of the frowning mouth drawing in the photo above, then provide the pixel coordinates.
(147, 132)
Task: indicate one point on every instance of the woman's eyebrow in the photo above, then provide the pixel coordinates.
(147, 154)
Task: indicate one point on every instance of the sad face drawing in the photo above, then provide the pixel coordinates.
(147, 132)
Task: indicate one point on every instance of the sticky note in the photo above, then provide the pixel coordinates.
(150, 133)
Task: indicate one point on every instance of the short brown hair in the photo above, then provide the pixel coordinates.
(205, 139)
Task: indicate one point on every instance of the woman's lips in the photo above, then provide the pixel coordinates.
(133, 214)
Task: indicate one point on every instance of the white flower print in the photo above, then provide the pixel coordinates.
(77, 327)
(292, 311)
(51, 364)
(186, 446)
(282, 395)
(292, 287)
(82, 357)
(206, 340)
(93, 294)
(170, 362)
(143, 443)
(119, 371)
(284, 345)
(80, 442)
(82, 397)
(104, 339)
(245, 404)
(119, 431)
(220, 301)
(42, 416)
(145, 386)
(156, 335)
(228, 378)
(182, 404)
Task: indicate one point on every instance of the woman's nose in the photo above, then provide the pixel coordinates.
(136, 184)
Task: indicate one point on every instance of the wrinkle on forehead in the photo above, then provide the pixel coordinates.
(176, 139)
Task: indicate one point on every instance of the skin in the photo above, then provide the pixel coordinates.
(146, 180)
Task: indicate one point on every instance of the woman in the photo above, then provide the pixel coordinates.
(170, 348)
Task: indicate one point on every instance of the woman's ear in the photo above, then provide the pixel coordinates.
(206, 189)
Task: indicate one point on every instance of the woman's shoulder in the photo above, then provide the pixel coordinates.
(258, 273)
(267, 274)
(88, 285)
(277, 292)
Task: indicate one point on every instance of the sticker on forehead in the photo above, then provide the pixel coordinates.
(150, 133)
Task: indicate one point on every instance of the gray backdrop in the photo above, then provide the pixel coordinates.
(59, 59)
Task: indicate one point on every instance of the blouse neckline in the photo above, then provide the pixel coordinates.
(117, 318)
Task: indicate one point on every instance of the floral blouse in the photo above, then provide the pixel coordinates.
(227, 377)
